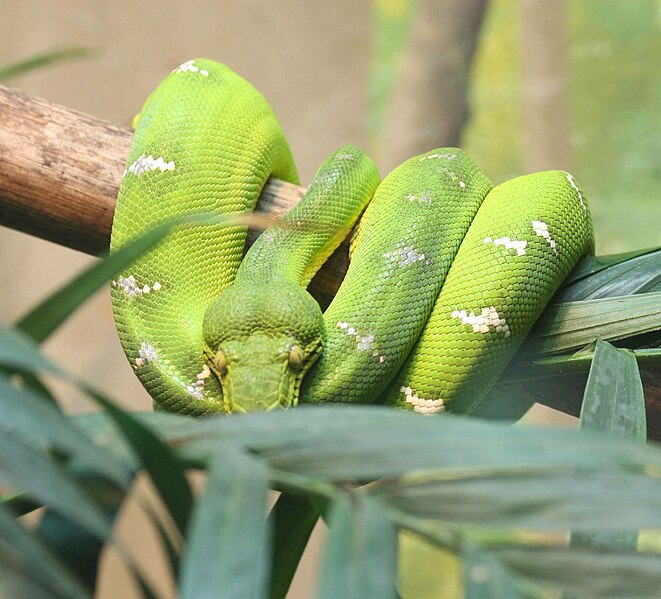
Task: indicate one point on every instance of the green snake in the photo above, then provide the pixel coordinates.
(447, 274)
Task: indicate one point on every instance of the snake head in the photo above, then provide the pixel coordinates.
(260, 341)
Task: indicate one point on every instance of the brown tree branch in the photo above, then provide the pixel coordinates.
(60, 171)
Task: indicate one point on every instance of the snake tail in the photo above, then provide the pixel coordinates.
(400, 253)
(524, 241)
(205, 142)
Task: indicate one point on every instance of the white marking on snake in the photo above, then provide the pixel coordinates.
(421, 405)
(572, 182)
(146, 354)
(130, 286)
(406, 255)
(364, 341)
(190, 67)
(145, 164)
(423, 198)
(197, 388)
(488, 321)
(462, 184)
(511, 244)
(446, 155)
(541, 229)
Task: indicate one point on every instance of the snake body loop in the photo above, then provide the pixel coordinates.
(446, 277)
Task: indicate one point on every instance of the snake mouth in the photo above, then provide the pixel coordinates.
(252, 388)
(252, 385)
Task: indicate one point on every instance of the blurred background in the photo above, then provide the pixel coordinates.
(521, 85)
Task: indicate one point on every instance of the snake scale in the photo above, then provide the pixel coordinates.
(447, 274)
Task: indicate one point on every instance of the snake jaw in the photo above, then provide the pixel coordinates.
(258, 373)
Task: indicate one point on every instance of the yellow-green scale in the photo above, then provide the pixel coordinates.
(525, 239)
(400, 253)
(197, 122)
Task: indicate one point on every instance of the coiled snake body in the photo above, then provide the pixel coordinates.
(447, 275)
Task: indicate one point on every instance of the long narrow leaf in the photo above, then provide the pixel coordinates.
(44, 318)
(611, 276)
(605, 501)
(165, 470)
(570, 326)
(292, 520)
(23, 558)
(28, 469)
(42, 423)
(361, 555)
(41, 60)
(588, 572)
(228, 524)
(485, 577)
(331, 442)
(614, 404)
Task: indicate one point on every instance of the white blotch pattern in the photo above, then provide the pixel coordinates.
(197, 388)
(130, 286)
(146, 354)
(406, 255)
(511, 244)
(145, 164)
(364, 341)
(421, 405)
(423, 198)
(487, 321)
(446, 155)
(541, 229)
(189, 67)
(572, 182)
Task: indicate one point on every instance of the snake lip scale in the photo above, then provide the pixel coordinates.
(447, 273)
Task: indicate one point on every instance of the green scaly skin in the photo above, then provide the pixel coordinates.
(206, 142)
(504, 252)
(524, 241)
(264, 333)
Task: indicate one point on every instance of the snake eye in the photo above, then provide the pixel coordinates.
(295, 357)
(220, 362)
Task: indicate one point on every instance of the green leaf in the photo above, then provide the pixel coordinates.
(36, 419)
(604, 500)
(26, 468)
(571, 326)
(587, 572)
(614, 401)
(485, 577)
(293, 518)
(330, 442)
(361, 555)
(44, 318)
(39, 61)
(611, 276)
(74, 545)
(228, 524)
(26, 565)
(614, 404)
(165, 470)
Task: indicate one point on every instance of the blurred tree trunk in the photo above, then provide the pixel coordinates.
(544, 66)
(429, 105)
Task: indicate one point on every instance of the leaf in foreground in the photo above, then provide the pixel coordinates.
(361, 555)
(229, 524)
